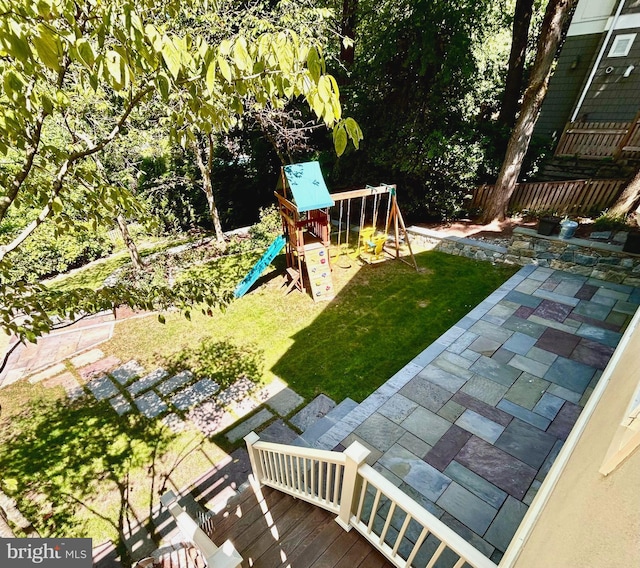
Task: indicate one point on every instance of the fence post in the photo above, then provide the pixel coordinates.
(254, 457)
(356, 455)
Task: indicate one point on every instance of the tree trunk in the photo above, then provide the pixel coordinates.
(348, 29)
(205, 164)
(513, 83)
(136, 259)
(629, 198)
(555, 18)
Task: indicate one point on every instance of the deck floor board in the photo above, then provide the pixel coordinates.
(272, 530)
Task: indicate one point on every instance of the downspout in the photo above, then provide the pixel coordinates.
(597, 62)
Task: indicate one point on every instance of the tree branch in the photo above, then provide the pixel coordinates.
(58, 183)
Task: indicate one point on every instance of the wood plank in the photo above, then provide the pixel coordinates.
(272, 558)
(338, 549)
(320, 539)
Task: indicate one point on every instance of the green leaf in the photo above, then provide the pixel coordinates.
(225, 69)
(48, 46)
(225, 47)
(211, 76)
(18, 46)
(13, 84)
(324, 89)
(340, 140)
(241, 55)
(115, 66)
(162, 319)
(171, 57)
(314, 64)
(85, 52)
(354, 131)
(163, 85)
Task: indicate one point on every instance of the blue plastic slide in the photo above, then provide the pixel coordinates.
(259, 267)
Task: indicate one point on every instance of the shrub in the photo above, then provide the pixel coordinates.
(45, 254)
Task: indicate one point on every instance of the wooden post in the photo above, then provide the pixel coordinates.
(251, 438)
(356, 455)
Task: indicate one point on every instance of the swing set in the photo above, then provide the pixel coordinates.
(373, 243)
(305, 204)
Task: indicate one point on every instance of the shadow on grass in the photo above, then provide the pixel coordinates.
(384, 317)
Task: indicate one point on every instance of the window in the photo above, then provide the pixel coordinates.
(621, 45)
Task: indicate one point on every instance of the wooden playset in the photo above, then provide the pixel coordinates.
(304, 203)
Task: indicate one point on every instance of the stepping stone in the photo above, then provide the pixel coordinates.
(311, 413)
(195, 394)
(146, 382)
(48, 373)
(87, 358)
(68, 382)
(175, 382)
(120, 404)
(102, 387)
(249, 425)
(236, 392)
(285, 401)
(127, 372)
(273, 388)
(210, 418)
(98, 368)
(150, 405)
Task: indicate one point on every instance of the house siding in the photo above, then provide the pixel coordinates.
(566, 83)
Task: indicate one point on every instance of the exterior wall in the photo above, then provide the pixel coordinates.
(612, 96)
(590, 519)
(574, 64)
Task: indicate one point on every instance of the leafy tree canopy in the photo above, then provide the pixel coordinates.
(72, 74)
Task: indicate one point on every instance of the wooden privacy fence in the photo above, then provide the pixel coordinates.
(600, 140)
(577, 197)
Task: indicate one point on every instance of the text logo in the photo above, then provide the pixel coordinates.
(46, 552)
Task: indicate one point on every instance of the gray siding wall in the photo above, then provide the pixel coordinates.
(613, 97)
(631, 7)
(566, 83)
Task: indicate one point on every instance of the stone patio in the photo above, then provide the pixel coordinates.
(471, 426)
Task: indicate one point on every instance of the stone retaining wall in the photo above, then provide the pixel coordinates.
(578, 256)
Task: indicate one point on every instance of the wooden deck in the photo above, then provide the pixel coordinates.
(273, 529)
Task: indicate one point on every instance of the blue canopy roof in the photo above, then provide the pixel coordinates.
(308, 187)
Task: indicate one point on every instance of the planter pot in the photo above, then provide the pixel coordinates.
(632, 243)
(568, 229)
(548, 225)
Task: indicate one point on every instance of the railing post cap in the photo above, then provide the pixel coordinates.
(357, 452)
(168, 498)
(251, 438)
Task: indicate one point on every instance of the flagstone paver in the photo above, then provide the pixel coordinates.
(120, 404)
(146, 382)
(285, 401)
(87, 358)
(247, 426)
(195, 394)
(150, 404)
(127, 372)
(485, 413)
(312, 412)
(102, 387)
(99, 367)
(175, 382)
(69, 383)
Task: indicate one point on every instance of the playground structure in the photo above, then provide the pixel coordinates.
(304, 204)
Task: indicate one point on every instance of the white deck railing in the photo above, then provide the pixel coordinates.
(341, 482)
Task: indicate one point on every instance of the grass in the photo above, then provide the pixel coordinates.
(382, 317)
(78, 469)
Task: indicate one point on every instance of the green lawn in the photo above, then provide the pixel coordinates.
(76, 468)
(383, 316)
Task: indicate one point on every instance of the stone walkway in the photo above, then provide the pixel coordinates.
(471, 426)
